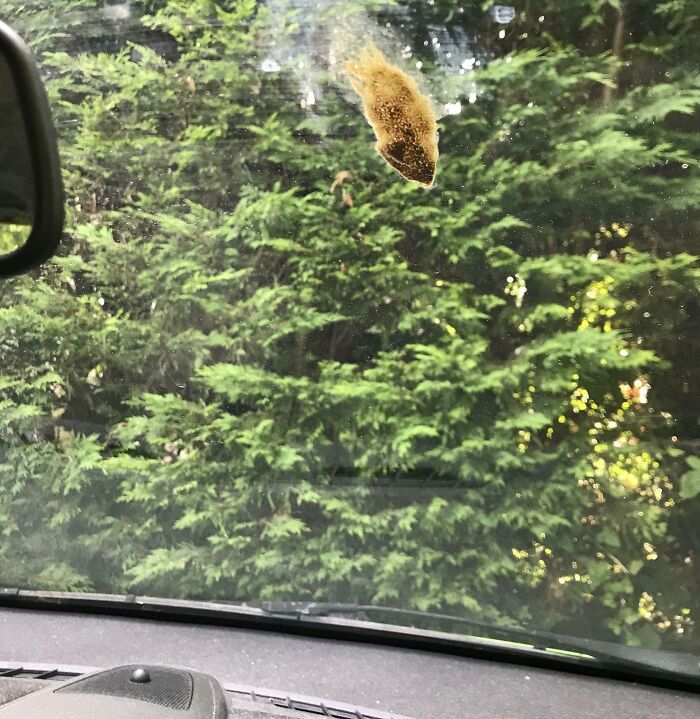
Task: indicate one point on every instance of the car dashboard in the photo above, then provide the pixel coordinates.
(253, 674)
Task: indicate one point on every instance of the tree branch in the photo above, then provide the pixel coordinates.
(618, 45)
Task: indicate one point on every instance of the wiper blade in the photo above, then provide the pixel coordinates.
(360, 622)
(609, 653)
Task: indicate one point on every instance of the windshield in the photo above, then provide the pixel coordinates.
(378, 303)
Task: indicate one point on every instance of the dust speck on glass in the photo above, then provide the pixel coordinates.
(266, 365)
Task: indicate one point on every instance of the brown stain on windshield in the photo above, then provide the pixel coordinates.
(400, 115)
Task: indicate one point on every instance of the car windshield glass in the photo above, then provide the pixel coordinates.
(366, 303)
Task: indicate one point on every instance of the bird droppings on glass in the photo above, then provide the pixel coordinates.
(402, 118)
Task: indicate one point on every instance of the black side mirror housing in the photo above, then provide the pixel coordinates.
(31, 192)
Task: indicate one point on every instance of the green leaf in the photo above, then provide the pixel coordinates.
(690, 481)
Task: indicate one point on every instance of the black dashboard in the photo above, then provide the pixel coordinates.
(266, 673)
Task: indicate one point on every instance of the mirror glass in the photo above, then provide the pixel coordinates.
(17, 187)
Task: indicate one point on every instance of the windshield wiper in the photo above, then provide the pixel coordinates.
(363, 623)
(609, 653)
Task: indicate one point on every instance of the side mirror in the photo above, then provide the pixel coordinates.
(31, 194)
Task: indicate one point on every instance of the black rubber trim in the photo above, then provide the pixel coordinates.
(331, 628)
(47, 227)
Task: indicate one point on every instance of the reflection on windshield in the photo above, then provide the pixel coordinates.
(266, 367)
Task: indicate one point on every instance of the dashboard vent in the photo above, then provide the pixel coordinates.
(19, 672)
(310, 705)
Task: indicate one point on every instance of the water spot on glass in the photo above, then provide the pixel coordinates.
(502, 14)
(270, 65)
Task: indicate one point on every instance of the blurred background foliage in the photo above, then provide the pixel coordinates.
(264, 366)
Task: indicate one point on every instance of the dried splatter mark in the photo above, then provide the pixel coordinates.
(401, 117)
(344, 194)
(339, 180)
